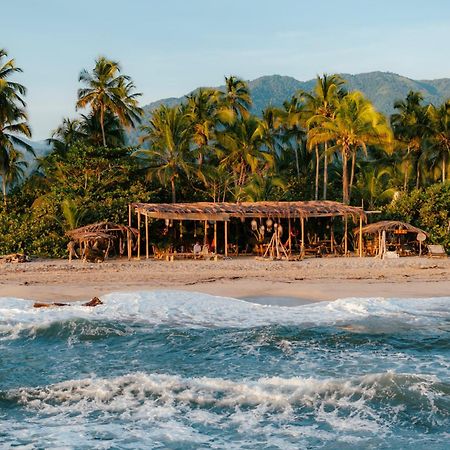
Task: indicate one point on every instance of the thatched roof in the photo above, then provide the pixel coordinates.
(101, 230)
(225, 211)
(389, 225)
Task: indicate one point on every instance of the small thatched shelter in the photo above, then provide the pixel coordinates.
(95, 241)
(394, 233)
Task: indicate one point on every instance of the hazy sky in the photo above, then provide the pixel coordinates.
(171, 47)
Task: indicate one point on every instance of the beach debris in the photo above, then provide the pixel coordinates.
(15, 258)
(95, 301)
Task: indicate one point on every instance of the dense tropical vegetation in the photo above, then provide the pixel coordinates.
(330, 143)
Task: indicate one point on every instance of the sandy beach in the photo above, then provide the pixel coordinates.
(309, 280)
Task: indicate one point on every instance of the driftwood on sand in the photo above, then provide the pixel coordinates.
(91, 303)
(15, 258)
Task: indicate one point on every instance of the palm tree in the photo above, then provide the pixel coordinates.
(440, 135)
(240, 150)
(237, 96)
(12, 170)
(293, 128)
(13, 119)
(411, 125)
(355, 125)
(322, 102)
(206, 111)
(109, 91)
(169, 157)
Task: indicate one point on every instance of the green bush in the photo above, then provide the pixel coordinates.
(428, 209)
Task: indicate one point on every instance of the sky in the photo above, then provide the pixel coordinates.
(170, 47)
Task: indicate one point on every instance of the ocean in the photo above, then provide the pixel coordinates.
(183, 370)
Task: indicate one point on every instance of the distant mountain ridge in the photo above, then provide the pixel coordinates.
(383, 88)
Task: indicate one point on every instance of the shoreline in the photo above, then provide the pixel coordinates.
(315, 279)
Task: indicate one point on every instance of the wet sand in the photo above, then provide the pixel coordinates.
(314, 279)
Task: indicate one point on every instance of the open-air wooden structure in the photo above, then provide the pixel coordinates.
(103, 233)
(224, 212)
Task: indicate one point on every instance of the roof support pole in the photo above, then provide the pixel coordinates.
(360, 243)
(290, 238)
(215, 237)
(226, 237)
(146, 238)
(302, 250)
(139, 235)
(205, 238)
(129, 244)
(129, 215)
(345, 235)
(332, 235)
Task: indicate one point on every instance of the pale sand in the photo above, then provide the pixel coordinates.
(308, 280)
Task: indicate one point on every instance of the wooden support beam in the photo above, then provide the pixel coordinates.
(332, 236)
(129, 244)
(146, 239)
(290, 239)
(215, 237)
(129, 215)
(139, 236)
(205, 240)
(360, 244)
(226, 238)
(302, 250)
(345, 235)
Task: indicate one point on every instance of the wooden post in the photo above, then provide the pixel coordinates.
(215, 237)
(139, 235)
(290, 240)
(302, 250)
(360, 244)
(129, 215)
(205, 240)
(129, 244)
(146, 238)
(226, 237)
(332, 236)
(345, 236)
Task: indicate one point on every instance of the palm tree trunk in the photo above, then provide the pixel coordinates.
(172, 184)
(316, 193)
(102, 125)
(352, 174)
(444, 167)
(344, 177)
(417, 174)
(296, 161)
(4, 189)
(325, 171)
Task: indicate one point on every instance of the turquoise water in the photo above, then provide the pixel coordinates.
(179, 370)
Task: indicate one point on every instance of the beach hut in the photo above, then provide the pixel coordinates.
(264, 216)
(391, 238)
(96, 241)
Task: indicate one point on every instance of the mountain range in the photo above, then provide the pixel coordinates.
(383, 88)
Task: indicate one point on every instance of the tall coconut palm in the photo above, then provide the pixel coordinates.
(240, 148)
(169, 157)
(12, 170)
(293, 128)
(355, 125)
(107, 90)
(411, 125)
(13, 118)
(440, 135)
(206, 112)
(322, 102)
(237, 96)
